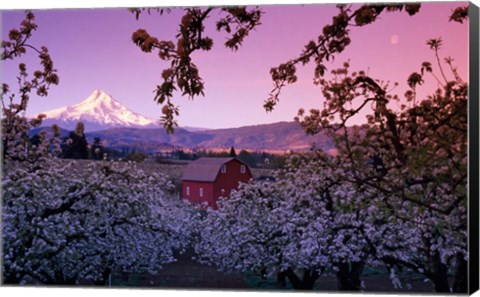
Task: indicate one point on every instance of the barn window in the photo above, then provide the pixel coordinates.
(242, 169)
(224, 168)
(201, 192)
(187, 190)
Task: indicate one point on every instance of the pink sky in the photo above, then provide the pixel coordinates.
(92, 49)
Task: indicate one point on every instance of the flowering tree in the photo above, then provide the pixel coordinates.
(335, 38)
(63, 222)
(14, 105)
(62, 226)
(413, 160)
(238, 22)
(183, 74)
(304, 223)
(395, 193)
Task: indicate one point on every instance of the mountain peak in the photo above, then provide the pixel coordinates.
(99, 110)
(98, 96)
(99, 92)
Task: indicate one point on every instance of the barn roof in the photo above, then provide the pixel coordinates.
(205, 169)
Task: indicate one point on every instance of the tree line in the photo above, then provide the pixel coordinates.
(76, 146)
(255, 159)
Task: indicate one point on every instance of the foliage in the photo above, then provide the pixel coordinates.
(14, 122)
(97, 149)
(255, 159)
(63, 226)
(274, 228)
(248, 158)
(413, 161)
(183, 75)
(394, 194)
(238, 22)
(63, 223)
(232, 152)
(75, 146)
(136, 157)
(460, 14)
(334, 39)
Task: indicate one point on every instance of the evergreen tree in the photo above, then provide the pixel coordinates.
(248, 158)
(97, 148)
(232, 152)
(75, 146)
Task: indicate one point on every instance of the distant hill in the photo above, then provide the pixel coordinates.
(278, 136)
(282, 136)
(63, 132)
(119, 127)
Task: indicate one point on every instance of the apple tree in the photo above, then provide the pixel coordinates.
(65, 222)
(298, 227)
(62, 226)
(15, 103)
(413, 159)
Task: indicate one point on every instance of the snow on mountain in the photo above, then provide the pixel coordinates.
(98, 111)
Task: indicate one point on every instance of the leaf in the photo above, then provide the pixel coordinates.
(412, 9)
(415, 79)
(426, 66)
(459, 14)
(435, 43)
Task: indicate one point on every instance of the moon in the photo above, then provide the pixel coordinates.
(394, 39)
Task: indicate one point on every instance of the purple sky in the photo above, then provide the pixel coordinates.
(92, 49)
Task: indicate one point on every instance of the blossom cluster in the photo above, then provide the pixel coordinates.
(65, 223)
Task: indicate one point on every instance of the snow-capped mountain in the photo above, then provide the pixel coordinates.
(99, 111)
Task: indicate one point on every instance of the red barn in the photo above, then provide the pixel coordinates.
(207, 179)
